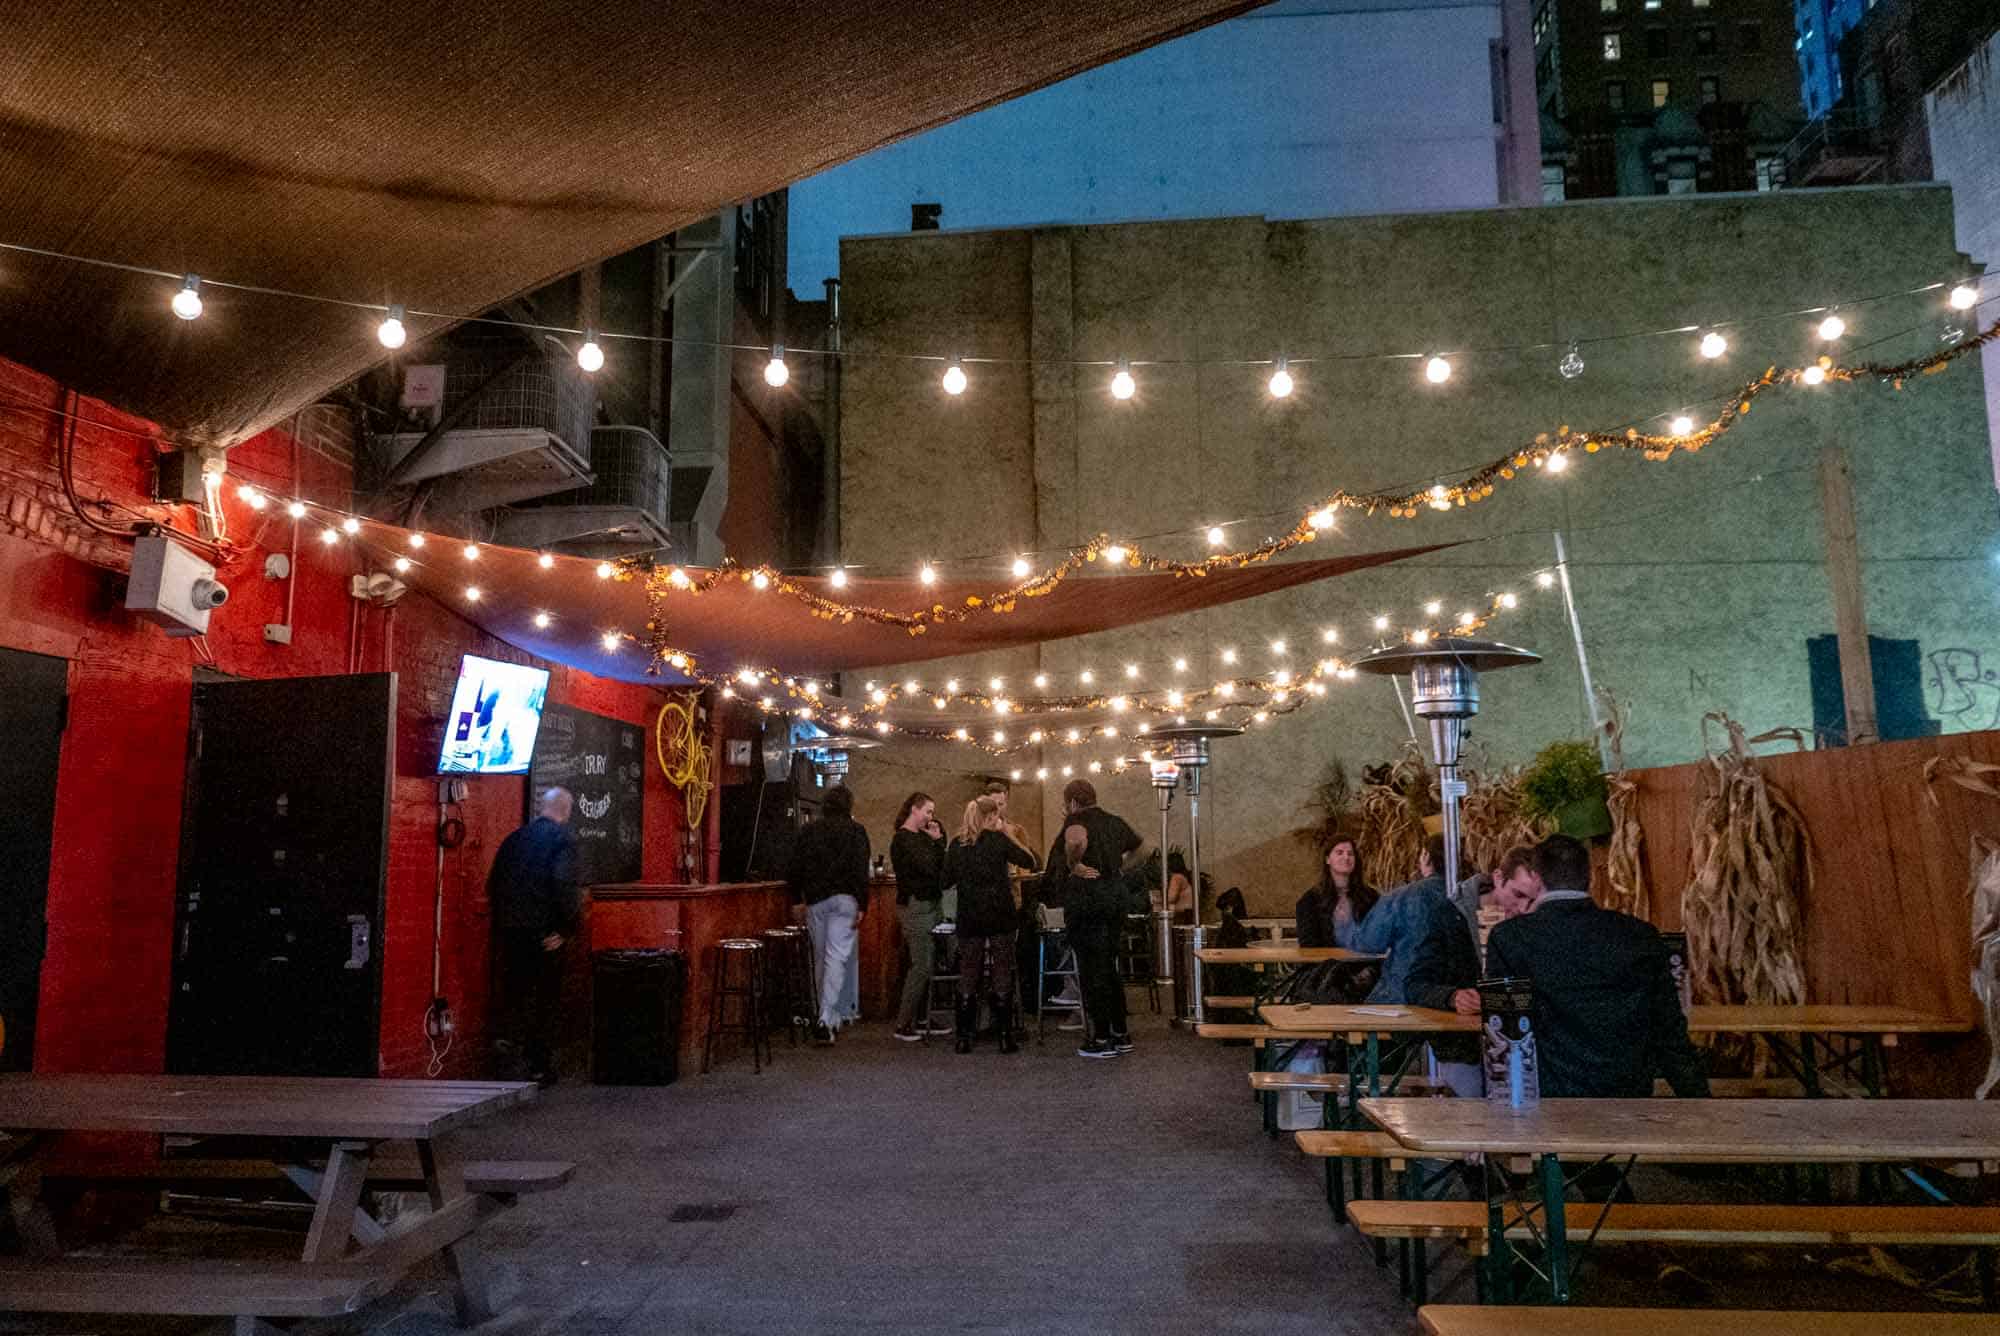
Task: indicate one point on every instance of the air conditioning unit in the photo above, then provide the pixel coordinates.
(172, 586)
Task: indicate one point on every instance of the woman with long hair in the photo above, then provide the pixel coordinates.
(977, 864)
(916, 855)
(1329, 913)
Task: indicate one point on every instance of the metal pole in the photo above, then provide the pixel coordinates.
(1194, 873)
(1163, 917)
(1404, 705)
(1582, 659)
(1446, 735)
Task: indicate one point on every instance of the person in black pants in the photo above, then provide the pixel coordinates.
(532, 889)
(916, 854)
(977, 864)
(1096, 865)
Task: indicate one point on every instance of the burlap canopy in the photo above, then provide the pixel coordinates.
(445, 156)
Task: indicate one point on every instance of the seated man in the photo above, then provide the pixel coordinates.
(1607, 1015)
(1402, 919)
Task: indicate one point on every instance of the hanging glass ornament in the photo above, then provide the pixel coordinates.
(1571, 365)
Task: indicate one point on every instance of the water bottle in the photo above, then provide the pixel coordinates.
(1677, 964)
(1507, 1040)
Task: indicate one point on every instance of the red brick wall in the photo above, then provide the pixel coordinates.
(111, 883)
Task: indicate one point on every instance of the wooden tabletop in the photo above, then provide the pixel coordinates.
(1278, 953)
(1494, 1320)
(1268, 922)
(1775, 1131)
(269, 1106)
(1384, 1018)
(1819, 1020)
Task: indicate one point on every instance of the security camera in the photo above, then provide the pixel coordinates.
(208, 594)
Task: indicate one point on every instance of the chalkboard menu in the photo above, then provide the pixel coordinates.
(602, 763)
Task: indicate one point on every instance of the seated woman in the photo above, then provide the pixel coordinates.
(1330, 912)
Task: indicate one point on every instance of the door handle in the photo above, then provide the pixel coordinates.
(357, 942)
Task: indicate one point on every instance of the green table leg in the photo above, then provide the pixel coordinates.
(1556, 1228)
(1499, 1252)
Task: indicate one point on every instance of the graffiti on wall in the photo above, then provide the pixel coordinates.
(1962, 689)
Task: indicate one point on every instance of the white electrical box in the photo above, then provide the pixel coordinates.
(172, 586)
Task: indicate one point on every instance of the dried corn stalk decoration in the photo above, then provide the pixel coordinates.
(1752, 872)
(1491, 819)
(1624, 871)
(1979, 777)
(1395, 799)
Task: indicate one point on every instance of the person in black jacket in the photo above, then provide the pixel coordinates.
(1328, 913)
(977, 864)
(1607, 1015)
(916, 855)
(1095, 895)
(532, 890)
(829, 874)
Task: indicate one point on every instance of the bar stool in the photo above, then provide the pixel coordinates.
(739, 973)
(1050, 951)
(944, 975)
(1136, 951)
(788, 979)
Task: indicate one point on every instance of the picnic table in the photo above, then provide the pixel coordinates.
(1750, 1131)
(1853, 1039)
(323, 1134)
(1364, 1028)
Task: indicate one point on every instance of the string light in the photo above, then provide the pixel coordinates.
(995, 683)
(1570, 365)
(1021, 568)
(1216, 537)
(1115, 554)
(612, 640)
(1321, 518)
(1283, 677)
(1682, 425)
(760, 581)
(187, 302)
(1437, 370)
(954, 383)
(546, 560)
(329, 537)
(1509, 601)
(472, 551)
(1381, 623)
(391, 332)
(838, 579)
(1041, 679)
(1713, 345)
(1963, 297)
(1813, 375)
(951, 686)
(350, 525)
(1042, 772)
(416, 539)
(472, 593)
(1180, 665)
(251, 497)
(1229, 654)
(911, 686)
(1558, 462)
(1433, 608)
(1832, 327)
(1281, 381)
(297, 511)
(401, 564)
(1131, 670)
(939, 702)
(928, 575)
(678, 578)
(1467, 617)
(541, 621)
(590, 357)
(1122, 384)
(1086, 677)
(776, 373)
(1277, 647)
(1096, 767)
(1329, 636)
(1545, 578)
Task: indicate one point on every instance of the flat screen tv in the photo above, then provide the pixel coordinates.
(496, 711)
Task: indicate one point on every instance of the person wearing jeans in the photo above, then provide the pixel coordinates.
(829, 873)
(916, 854)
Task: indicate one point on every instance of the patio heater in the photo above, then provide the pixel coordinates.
(837, 746)
(1444, 689)
(1166, 777)
(1188, 750)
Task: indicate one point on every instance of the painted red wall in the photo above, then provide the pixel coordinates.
(111, 885)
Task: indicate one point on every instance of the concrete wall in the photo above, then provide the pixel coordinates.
(1698, 580)
(1964, 115)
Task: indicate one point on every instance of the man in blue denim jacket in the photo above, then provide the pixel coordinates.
(1403, 918)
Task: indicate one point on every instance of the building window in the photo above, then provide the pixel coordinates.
(1704, 40)
(1611, 46)
(1767, 174)
(1607, 6)
(1656, 43)
(1652, 4)
(1749, 37)
(1555, 183)
(1614, 95)
(1711, 89)
(1662, 90)
(1701, 4)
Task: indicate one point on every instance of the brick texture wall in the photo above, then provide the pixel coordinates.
(112, 881)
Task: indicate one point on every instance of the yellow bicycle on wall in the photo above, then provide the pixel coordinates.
(685, 757)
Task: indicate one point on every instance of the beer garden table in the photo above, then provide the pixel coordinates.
(1853, 1038)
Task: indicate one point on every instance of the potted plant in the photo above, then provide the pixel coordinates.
(1565, 784)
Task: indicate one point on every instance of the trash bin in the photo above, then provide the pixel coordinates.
(635, 1016)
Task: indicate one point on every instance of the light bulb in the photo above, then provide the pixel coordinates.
(937, 702)
(350, 525)
(1277, 647)
(1014, 775)
(1035, 736)
(1074, 735)
(1508, 600)
(951, 686)
(1174, 698)
(928, 575)
(678, 578)
(1118, 704)
(1021, 568)
(881, 727)
(994, 683)
(1260, 716)
(1086, 677)
(1042, 773)
(187, 302)
(612, 640)
(1229, 656)
(1713, 345)
(1226, 688)
(1283, 677)
(1545, 578)
(759, 580)
(912, 686)
(1321, 518)
(746, 676)
(963, 735)
(1832, 327)
(954, 379)
(1558, 462)
(1215, 536)
(1001, 707)
(590, 357)
(1068, 770)
(391, 331)
(546, 561)
(1964, 297)
(776, 373)
(1329, 636)
(472, 593)
(416, 539)
(1467, 618)
(999, 736)
(838, 579)
(1281, 381)
(1814, 374)
(1381, 623)
(605, 570)
(1437, 371)
(1115, 554)
(297, 511)
(472, 551)
(1131, 670)
(401, 564)
(329, 537)
(1438, 491)
(541, 621)
(1122, 384)
(1180, 665)
(1683, 425)
(256, 499)
(1041, 679)
(1433, 608)
(1420, 635)
(1570, 366)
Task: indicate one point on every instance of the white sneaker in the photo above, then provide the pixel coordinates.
(1066, 998)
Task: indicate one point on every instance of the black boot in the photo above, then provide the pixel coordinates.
(1004, 1010)
(968, 1020)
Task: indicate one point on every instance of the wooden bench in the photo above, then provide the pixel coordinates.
(195, 1288)
(1229, 1001)
(389, 1172)
(1465, 1222)
(1258, 1034)
(1336, 1082)
(1467, 1320)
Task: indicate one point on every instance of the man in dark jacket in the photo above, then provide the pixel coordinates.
(1607, 1015)
(1096, 879)
(532, 890)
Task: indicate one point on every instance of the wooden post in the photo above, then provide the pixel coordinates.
(1843, 572)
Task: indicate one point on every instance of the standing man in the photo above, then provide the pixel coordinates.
(533, 894)
(829, 873)
(1112, 850)
(999, 788)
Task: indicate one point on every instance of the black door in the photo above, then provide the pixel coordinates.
(33, 692)
(284, 855)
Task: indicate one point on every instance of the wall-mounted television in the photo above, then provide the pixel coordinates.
(496, 710)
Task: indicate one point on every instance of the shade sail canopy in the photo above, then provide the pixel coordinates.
(441, 156)
(734, 625)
